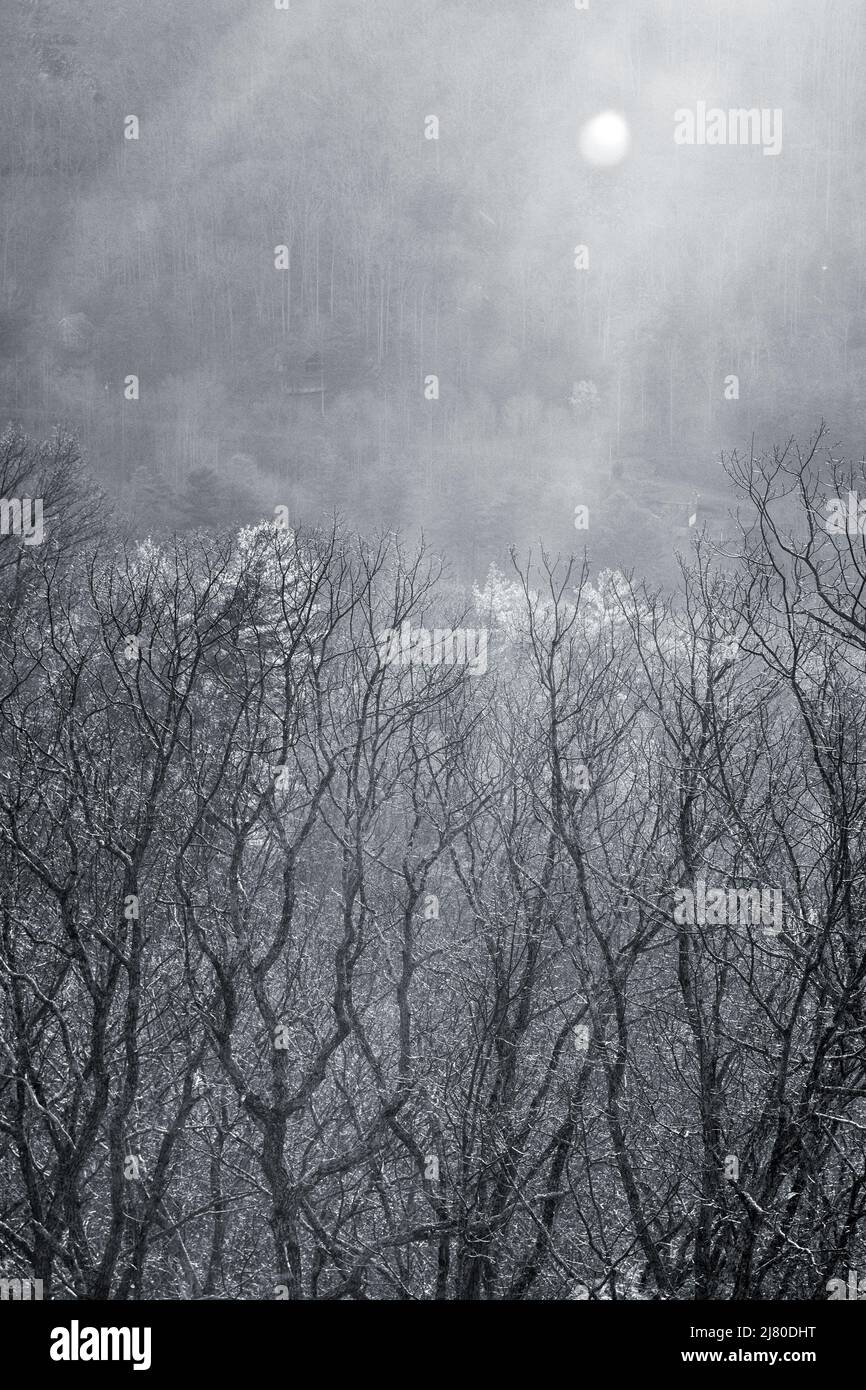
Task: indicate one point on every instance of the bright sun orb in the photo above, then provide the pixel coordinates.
(605, 140)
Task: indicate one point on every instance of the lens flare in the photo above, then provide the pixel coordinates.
(605, 140)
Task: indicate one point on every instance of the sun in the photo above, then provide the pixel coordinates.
(605, 140)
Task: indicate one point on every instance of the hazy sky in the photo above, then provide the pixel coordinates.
(723, 293)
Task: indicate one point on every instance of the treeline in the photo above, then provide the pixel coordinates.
(327, 977)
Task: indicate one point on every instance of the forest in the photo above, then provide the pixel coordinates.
(432, 651)
(326, 976)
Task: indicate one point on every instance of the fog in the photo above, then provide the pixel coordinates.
(717, 305)
(432, 650)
